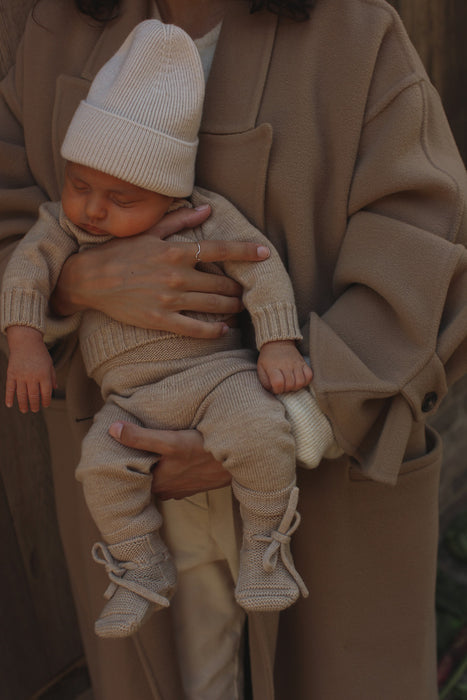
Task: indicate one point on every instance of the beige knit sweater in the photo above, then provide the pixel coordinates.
(35, 266)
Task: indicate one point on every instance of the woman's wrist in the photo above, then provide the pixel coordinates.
(67, 297)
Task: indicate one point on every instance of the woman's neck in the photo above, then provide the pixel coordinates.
(196, 17)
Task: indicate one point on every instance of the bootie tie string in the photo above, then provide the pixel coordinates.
(279, 542)
(116, 570)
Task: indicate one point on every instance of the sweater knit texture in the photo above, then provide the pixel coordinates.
(35, 266)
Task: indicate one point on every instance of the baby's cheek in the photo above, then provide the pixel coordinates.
(72, 209)
(126, 223)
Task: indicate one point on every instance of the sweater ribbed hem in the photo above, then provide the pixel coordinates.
(155, 348)
(109, 339)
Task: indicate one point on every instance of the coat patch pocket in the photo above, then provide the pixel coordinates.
(236, 166)
(433, 454)
(431, 458)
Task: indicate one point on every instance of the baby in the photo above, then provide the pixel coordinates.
(130, 153)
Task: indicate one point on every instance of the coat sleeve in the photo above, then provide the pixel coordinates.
(31, 276)
(20, 195)
(385, 352)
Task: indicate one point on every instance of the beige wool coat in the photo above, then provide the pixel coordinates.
(328, 135)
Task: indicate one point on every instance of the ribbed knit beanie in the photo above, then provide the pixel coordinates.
(140, 119)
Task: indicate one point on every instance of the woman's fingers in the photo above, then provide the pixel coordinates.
(179, 253)
(190, 279)
(183, 466)
(212, 250)
(181, 219)
(222, 251)
(194, 328)
(168, 483)
(149, 440)
(208, 302)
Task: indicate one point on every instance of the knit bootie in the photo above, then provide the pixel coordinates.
(143, 578)
(267, 578)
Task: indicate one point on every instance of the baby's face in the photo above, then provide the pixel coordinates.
(102, 204)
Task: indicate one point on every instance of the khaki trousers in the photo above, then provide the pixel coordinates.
(200, 532)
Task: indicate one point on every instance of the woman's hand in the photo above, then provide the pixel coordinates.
(147, 282)
(183, 467)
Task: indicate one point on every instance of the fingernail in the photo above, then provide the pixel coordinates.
(202, 207)
(262, 251)
(115, 430)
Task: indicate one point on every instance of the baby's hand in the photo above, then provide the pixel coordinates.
(282, 368)
(30, 374)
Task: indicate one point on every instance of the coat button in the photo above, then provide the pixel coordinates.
(429, 401)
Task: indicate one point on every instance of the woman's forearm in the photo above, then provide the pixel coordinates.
(67, 297)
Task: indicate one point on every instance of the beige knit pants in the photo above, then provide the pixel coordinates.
(243, 426)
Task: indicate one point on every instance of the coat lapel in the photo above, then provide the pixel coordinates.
(245, 43)
(71, 89)
(114, 34)
(243, 54)
(234, 149)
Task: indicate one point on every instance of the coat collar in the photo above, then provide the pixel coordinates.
(243, 53)
(114, 34)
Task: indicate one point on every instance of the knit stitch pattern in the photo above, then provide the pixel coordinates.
(143, 578)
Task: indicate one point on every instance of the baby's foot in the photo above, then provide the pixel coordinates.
(139, 586)
(260, 587)
(268, 579)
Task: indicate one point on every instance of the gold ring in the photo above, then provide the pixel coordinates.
(198, 253)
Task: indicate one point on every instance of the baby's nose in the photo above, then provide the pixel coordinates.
(95, 207)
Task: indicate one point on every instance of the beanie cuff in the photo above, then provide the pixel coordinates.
(131, 152)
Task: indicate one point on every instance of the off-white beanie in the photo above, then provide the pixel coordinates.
(141, 117)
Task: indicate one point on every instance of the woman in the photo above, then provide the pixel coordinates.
(327, 134)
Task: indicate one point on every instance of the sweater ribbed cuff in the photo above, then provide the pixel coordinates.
(20, 307)
(276, 322)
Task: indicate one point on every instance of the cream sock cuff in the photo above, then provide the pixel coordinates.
(311, 429)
